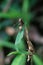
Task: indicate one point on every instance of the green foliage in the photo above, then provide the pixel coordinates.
(11, 14)
(19, 60)
(24, 14)
(25, 6)
(6, 44)
(37, 60)
(19, 45)
(16, 52)
(19, 36)
(19, 52)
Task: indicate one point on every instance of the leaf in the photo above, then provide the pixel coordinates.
(21, 45)
(7, 44)
(19, 36)
(37, 60)
(19, 60)
(25, 6)
(19, 52)
(15, 52)
(11, 14)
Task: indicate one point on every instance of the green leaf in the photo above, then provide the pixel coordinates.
(21, 45)
(19, 36)
(19, 52)
(11, 14)
(37, 60)
(25, 6)
(6, 44)
(19, 60)
(15, 52)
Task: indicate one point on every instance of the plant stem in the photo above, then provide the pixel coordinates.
(30, 46)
